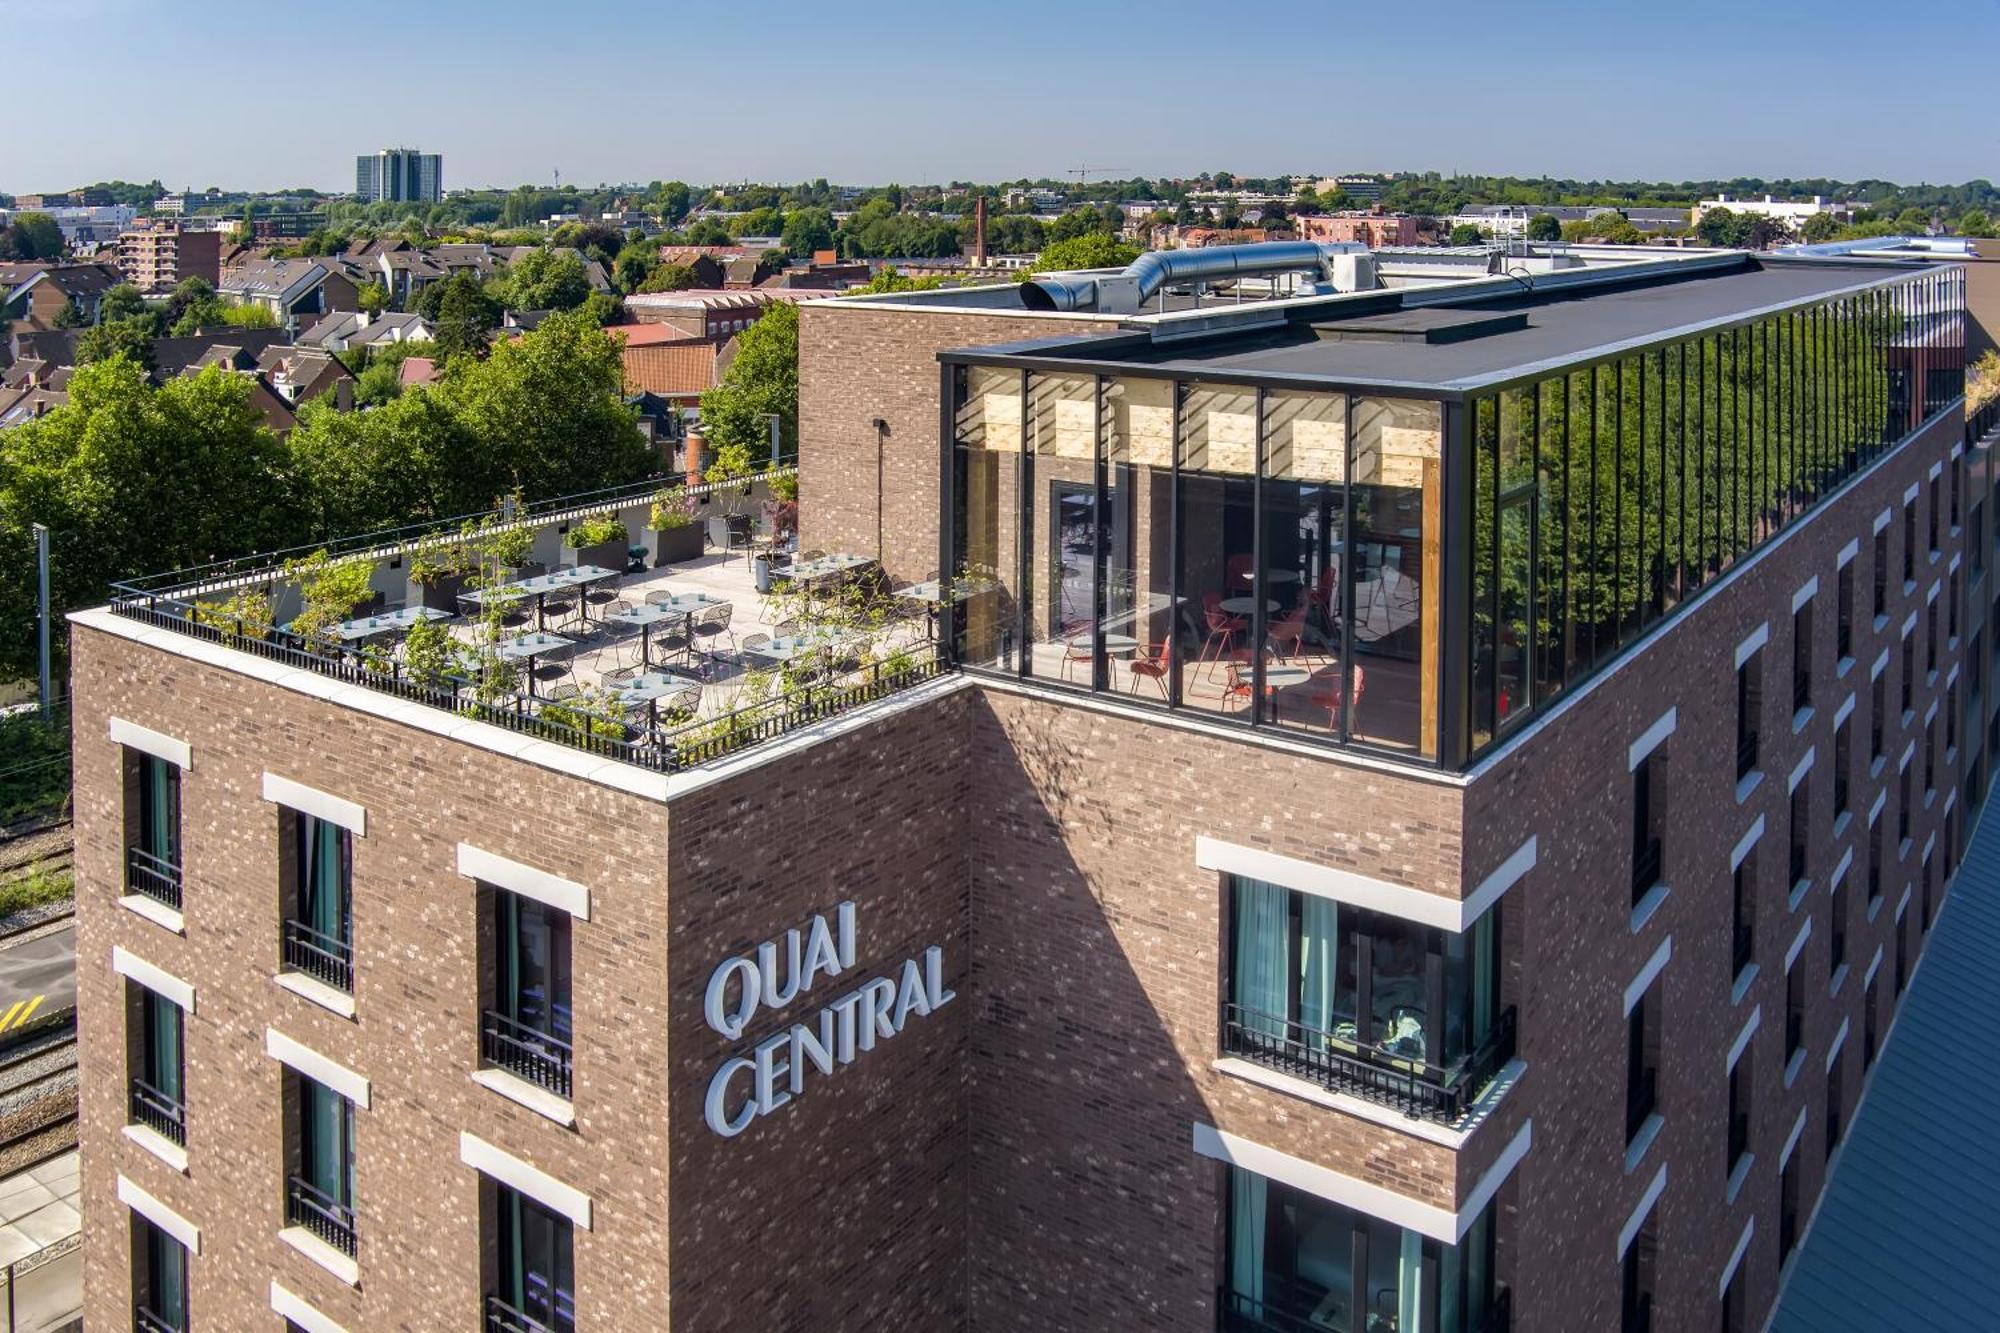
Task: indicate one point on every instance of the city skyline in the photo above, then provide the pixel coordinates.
(514, 105)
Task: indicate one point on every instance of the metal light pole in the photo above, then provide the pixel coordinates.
(42, 570)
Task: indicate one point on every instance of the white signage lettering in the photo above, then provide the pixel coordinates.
(777, 973)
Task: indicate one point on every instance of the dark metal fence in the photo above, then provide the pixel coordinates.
(1377, 1073)
(153, 877)
(321, 1214)
(324, 958)
(504, 1318)
(158, 1112)
(1277, 1311)
(526, 1052)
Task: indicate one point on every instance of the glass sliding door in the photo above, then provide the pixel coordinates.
(536, 1277)
(162, 1279)
(1064, 537)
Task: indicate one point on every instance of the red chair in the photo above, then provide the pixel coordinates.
(1073, 653)
(1289, 629)
(1156, 666)
(1238, 689)
(1328, 696)
(1222, 629)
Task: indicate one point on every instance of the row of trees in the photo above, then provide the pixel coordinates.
(134, 478)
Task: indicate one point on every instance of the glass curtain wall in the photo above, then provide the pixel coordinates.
(1186, 543)
(1299, 1262)
(1604, 496)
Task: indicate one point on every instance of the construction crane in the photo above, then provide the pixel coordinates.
(1081, 172)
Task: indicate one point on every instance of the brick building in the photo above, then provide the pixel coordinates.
(1303, 906)
(1372, 229)
(158, 258)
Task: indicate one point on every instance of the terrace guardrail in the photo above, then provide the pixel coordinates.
(153, 877)
(1379, 1074)
(525, 1052)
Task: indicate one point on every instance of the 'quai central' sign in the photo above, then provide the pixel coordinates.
(747, 1086)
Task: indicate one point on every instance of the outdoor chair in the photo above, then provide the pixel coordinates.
(755, 643)
(1156, 666)
(553, 665)
(620, 675)
(659, 597)
(565, 690)
(708, 627)
(602, 593)
(559, 611)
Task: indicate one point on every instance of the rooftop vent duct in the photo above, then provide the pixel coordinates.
(1126, 292)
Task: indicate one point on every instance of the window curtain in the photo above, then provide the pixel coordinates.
(166, 1277)
(323, 883)
(326, 1149)
(1246, 1237)
(162, 809)
(1484, 986)
(1410, 1281)
(1319, 938)
(1262, 966)
(163, 1067)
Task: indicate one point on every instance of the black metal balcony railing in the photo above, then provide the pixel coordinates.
(525, 1052)
(324, 1216)
(1646, 868)
(321, 957)
(1746, 753)
(504, 1318)
(1289, 1307)
(1378, 1073)
(158, 1112)
(153, 876)
(145, 1321)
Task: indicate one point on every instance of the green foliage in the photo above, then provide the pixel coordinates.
(592, 712)
(462, 316)
(38, 888)
(380, 383)
(372, 297)
(594, 531)
(785, 487)
(889, 280)
(34, 765)
(1467, 234)
(807, 230)
(1091, 250)
(117, 339)
(762, 380)
(246, 612)
(670, 278)
(1819, 228)
(332, 590)
(31, 236)
(1544, 227)
(672, 508)
(602, 309)
(544, 280)
(431, 655)
(122, 302)
(71, 316)
(1982, 381)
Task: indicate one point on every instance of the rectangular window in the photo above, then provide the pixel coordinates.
(1909, 544)
(1743, 913)
(1902, 955)
(1749, 712)
(1338, 994)
(1788, 1208)
(1933, 526)
(1951, 597)
(1868, 1028)
(1843, 760)
(159, 1280)
(1642, 1061)
(1735, 1316)
(1843, 611)
(153, 827)
(1957, 489)
(1930, 641)
(1874, 862)
(319, 1187)
(1648, 823)
(1636, 1286)
(1905, 798)
(1298, 1261)
(1878, 709)
(154, 1062)
(534, 1285)
(1930, 896)
(1909, 673)
(1930, 761)
(1740, 1085)
(1977, 540)
(1881, 573)
(1951, 718)
(1800, 825)
(1833, 1107)
(1795, 1012)
(1802, 657)
(1836, 935)
(318, 922)
(525, 1028)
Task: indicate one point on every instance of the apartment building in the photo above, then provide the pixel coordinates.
(159, 257)
(1295, 898)
(399, 175)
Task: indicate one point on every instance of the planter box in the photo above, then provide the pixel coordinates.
(441, 595)
(677, 544)
(606, 555)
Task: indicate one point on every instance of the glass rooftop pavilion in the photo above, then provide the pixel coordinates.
(1404, 522)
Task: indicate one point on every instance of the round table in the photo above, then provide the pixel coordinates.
(1243, 606)
(1277, 575)
(1277, 677)
(1115, 645)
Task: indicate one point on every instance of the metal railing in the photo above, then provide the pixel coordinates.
(145, 1321)
(324, 1216)
(1289, 1308)
(322, 957)
(153, 877)
(504, 1318)
(1377, 1073)
(525, 1052)
(158, 1112)
(661, 750)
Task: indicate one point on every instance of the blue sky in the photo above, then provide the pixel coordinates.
(199, 92)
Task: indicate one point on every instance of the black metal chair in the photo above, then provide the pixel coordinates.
(709, 626)
(553, 666)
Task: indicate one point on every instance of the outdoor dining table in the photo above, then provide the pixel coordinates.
(827, 568)
(1243, 606)
(1115, 645)
(527, 647)
(787, 647)
(930, 594)
(649, 614)
(388, 622)
(650, 687)
(541, 585)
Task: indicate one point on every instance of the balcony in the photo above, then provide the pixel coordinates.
(526, 1053)
(1246, 1314)
(324, 958)
(504, 1318)
(324, 1217)
(153, 877)
(1380, 1074)
(158, 1112)
(145, 1321)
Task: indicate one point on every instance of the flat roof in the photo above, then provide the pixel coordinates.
(1576, 315)
(1905, 1232)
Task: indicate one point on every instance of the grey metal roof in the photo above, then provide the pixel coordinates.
(1907, 1229)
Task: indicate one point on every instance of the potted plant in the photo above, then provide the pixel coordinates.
(673, 518)
(439, 573)
(598, 540)
(331, 590)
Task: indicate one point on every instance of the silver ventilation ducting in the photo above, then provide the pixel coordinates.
(1127, 291)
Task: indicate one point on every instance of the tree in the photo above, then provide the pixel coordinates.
(31, 236)
(1724, 227)
(807, 230)
(1975, 222)
(128, 339)
(379, 383)
(762, 381)
(672, 199)
(707, 232)
(602, 308)
(761, 222)
(373, 298)
(670, 278)
(1765, 232)
(1467, 234)
(72, 315)
(1544, 227)
(1820, 227)
(122, 302)
(544, 280)
(889, 280)
(1094, 250)
(463, 316)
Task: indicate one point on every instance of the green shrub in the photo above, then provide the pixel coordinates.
(594, 531)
